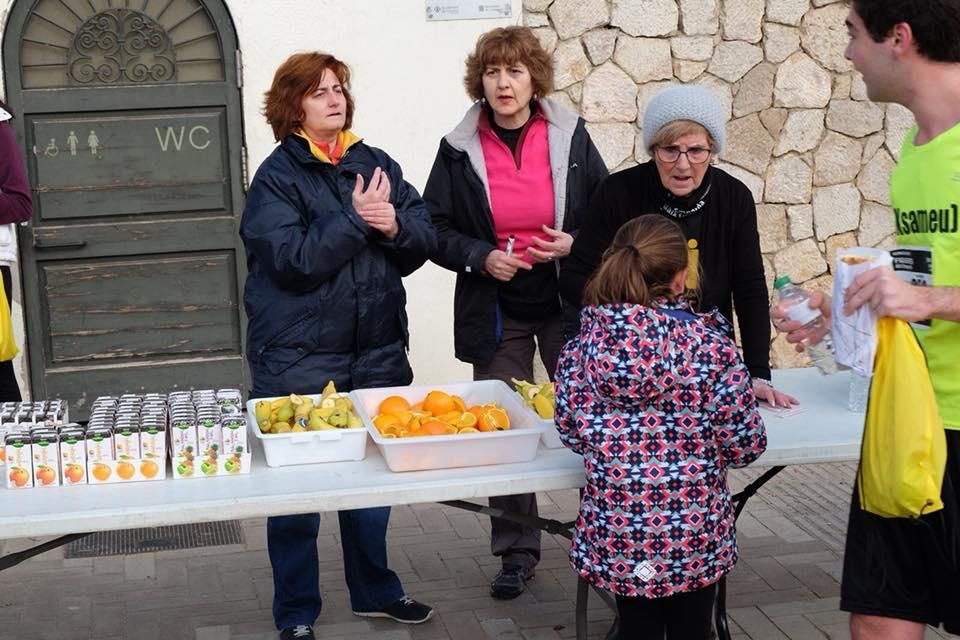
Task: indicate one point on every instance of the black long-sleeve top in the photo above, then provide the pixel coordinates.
(720, 222)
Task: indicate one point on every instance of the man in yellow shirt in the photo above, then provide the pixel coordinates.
(900, 574)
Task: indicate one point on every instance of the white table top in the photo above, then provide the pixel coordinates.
(824, 432)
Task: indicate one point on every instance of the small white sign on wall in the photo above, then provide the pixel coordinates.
(438, 10)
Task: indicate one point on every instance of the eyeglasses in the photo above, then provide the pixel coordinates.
(695, 155)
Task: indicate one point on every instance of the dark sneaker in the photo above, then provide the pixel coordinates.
(510, 582)
(405, 610)
(299, 632)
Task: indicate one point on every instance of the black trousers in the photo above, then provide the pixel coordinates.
(684, 616)
(9, 389)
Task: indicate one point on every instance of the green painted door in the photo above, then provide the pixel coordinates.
(129, 114)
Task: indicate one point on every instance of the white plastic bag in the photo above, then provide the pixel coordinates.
(855, 336)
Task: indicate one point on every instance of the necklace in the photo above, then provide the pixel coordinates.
(682, 208)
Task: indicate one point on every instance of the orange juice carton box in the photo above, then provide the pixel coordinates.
(18, 453)
(73, 455)
(46, 458)
(126, 471)
(99, 444)
(126, 440)
(153, 440)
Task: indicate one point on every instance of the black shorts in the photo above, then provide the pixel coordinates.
(907, 568)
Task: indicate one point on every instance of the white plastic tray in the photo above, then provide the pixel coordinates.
(307, 447)
(517, 444)
(551, 437)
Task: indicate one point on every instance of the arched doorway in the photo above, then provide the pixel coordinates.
(129, 111)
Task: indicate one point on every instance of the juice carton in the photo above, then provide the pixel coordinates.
(183, 436)
(153, 440)
(126, 441)
(73, 455)
(46, 458)
(19, 458)
(99, 444)
(209, 436)
(235, 436)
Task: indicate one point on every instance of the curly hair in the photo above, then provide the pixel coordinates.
(296, 77)
(509, 45)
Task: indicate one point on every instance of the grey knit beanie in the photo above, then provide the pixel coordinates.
(685, 102)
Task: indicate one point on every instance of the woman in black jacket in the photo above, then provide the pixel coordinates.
(330, 228)
(684, 127)
(506, 194)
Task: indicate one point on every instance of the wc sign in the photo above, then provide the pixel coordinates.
(438, 10)
(172, 138)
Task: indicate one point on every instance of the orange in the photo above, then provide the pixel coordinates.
(436, 428)
(125, 470)
(476, 410)
(458, 401)
(467, 430)
(384, 420)
(394, 404)
(494, 420)
(148, 468)
(467, 420)
(391, 429)
(101, 471)
(439, 402)
(450, 416)
(417, 406)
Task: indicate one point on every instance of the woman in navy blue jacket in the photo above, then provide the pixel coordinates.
(330, 228)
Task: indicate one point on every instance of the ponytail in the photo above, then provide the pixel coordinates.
(641, 263)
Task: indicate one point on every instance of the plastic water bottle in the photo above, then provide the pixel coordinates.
(859, 392)
(793, 300)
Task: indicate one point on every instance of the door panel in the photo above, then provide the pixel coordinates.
(129, 115)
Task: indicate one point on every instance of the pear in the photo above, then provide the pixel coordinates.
(316, 423)
(262, 410)
(284, 413)
(340, 417)
(345, 402)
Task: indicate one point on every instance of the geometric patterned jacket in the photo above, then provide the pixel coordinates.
(659, 404)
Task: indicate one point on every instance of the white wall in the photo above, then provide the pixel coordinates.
(408, 88)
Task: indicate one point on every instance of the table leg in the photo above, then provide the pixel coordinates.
(740, 500)
(13, 559)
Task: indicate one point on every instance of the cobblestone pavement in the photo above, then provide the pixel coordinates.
(785, 587)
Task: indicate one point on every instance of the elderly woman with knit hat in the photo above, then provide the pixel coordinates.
(684, 129)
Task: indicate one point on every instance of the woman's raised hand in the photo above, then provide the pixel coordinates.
(373, 204)
(546, 250)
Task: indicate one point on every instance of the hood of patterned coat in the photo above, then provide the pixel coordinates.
(633, 354)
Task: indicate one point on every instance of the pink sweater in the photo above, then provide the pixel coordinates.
(521, 190)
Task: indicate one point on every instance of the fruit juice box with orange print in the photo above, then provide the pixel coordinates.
(99, 444)
(73, 455)
(131, 470)
(18, 453)
(126, 441)
(153, 441)
(46, 458)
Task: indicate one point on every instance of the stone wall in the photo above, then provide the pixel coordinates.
(802, 135)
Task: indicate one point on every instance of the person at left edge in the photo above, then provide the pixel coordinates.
(15, 207)
(330, 228)
(517, 164)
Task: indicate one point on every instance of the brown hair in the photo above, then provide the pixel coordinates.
(506, 46)
(673, 131)
(640, 264)
(297, 76)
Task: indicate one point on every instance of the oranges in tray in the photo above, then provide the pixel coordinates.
(438, 414)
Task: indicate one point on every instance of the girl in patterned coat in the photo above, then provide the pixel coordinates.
(659, 403)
